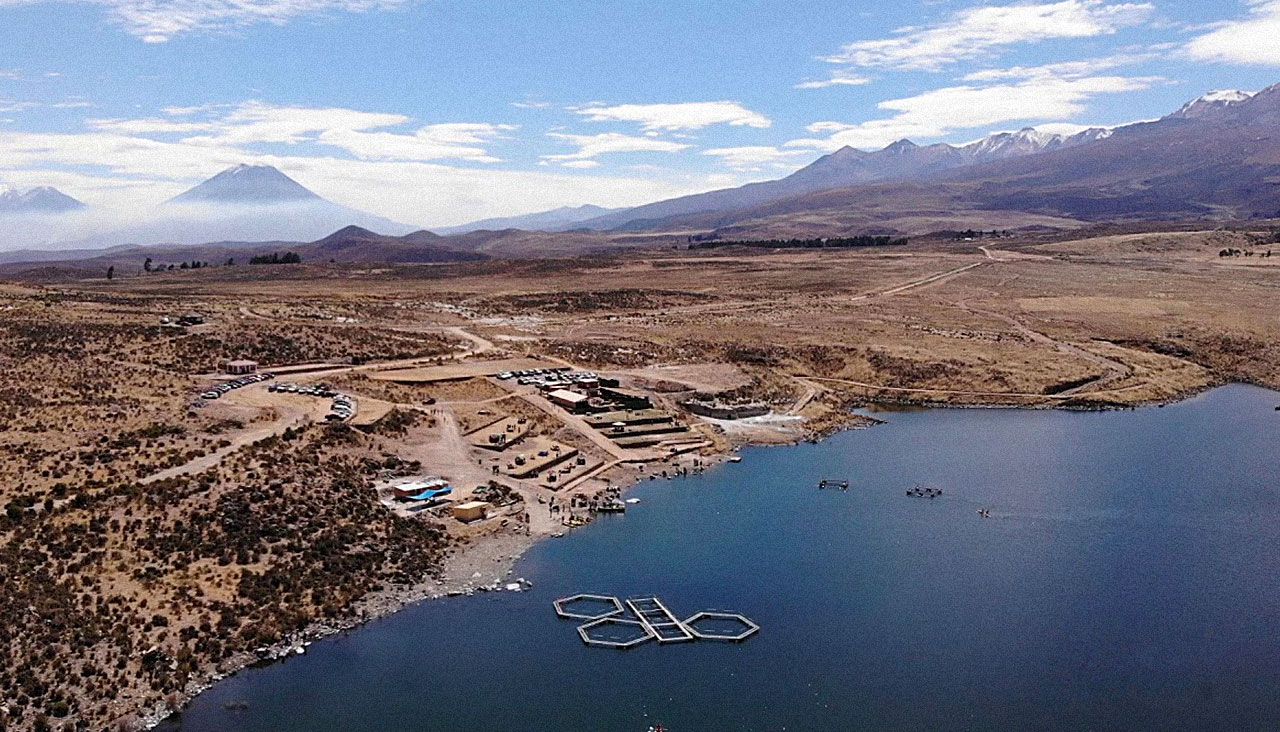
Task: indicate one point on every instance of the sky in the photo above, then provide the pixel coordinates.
(439, 112)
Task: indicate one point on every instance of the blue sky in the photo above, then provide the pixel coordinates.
(435, 112)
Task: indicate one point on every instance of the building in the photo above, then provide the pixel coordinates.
(570, 400)
(426, 488)
(241, 366)
(625, 399)
(191, 319)
(471, 511)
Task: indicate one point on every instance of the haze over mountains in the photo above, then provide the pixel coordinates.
(43, 199)
(245, 203)
(1217, 157)
(557, 219)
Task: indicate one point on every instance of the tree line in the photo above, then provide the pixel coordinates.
(276, 258)
(830, 243)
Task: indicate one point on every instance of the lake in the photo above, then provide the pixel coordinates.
(1126, 580)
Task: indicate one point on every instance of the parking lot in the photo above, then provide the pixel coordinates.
(237, 383)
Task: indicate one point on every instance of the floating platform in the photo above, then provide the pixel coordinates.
(665, 626)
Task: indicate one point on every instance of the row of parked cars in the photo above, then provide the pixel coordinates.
(237, 383)
(339, 411)
(320, 390)
(524, 373)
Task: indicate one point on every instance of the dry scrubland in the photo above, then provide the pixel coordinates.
(121, 592)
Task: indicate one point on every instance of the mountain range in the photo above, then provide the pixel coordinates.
(1215, 158)
(1218, 157)
(902, 160)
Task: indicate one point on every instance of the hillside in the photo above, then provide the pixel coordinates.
(1211, 161)
(349, 245)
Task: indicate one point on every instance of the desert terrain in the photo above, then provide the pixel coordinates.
(155, 539)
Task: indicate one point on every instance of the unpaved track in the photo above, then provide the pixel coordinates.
(1114, 369)
(204, 462)
(955, 392)
(922, 282)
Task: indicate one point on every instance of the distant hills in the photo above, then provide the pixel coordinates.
(349, 245)
(40, 200)
(355, 244)
(558, 219)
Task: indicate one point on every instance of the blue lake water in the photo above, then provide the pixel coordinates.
(1128, 579)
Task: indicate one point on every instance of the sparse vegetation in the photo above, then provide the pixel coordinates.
(276, 258)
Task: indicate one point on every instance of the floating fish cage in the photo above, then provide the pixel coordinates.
(612, 632)
(613, 624)
(716, 626)
(588, 607)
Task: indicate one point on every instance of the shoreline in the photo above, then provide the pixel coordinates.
(495, 555)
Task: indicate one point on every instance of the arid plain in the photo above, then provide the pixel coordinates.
(153, 541)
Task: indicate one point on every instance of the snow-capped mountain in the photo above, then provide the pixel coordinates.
(1001, 145)
(1027, 141)
(1211, 103)
(901, 160)
(43, 200)
(245, 203)
(247, 184)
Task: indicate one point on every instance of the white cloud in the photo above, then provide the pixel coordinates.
(1068, 69)
(150, 126)
(258, 122)
(840, 78)
(126, 166)
(158, 21)
(976, 32)
(364, 135)
(591, 146)
(752, 157)
(940, 112)
(1254, 40)
(9, 105)
(677, 116)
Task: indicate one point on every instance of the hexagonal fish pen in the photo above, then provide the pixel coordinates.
(611, 624)
(613, 632)
(715, 626)
(588, 607)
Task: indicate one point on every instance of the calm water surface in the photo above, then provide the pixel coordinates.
(1127, 580)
